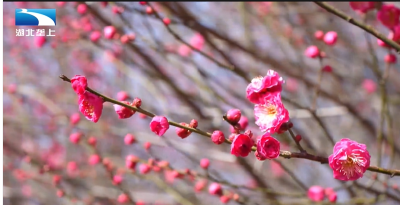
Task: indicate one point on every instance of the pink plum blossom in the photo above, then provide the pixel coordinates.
(91, 106)
(349, 160)
(260, 87)
(159, 125)
(271, 114)
(241, 145)
(267, 147)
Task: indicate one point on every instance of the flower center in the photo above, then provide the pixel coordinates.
(271, 110)
(89, 109)
(352, 165)
(267, 113)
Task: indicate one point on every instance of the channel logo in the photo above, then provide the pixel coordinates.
(35, 17)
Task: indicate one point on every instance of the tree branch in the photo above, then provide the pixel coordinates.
(365, 27)
(284, 154)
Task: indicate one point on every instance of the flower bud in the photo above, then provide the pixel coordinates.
(233, 116)
(217, 137)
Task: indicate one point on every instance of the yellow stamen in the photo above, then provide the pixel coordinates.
(352, 165)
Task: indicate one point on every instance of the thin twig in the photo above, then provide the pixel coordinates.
(177, 37)
(296, 141)
(317, 86)
(365, 27)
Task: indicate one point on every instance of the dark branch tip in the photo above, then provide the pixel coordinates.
(64, 78)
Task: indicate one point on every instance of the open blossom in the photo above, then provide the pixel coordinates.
(389, 15)
(349, 160)
(362, 6)
(124, 112)
(159, 125)
(261, 87)
(79, 84)
(241, 145)
(267, 147)
(271, 114)
(91, 106)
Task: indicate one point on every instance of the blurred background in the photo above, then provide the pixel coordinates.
(145, 59)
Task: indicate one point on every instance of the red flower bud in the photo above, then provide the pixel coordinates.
(181, 132)
(218, 137)
(193, 123)
(233, 116)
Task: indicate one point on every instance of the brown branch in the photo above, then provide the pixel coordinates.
(284, 154)
(296, 141)
(365, 27)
